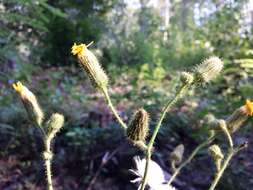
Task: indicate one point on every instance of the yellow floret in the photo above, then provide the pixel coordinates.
(18, 87)
(249, 106)
(78, 49)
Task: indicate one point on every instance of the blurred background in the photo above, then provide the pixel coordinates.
(143, 45)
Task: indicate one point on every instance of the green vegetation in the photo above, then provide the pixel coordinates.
(143, 46)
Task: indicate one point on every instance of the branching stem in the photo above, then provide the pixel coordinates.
(168, 106)
(231, 152)
(221, 171)
(189, 159)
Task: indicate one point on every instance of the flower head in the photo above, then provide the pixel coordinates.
(177, 154)
(138, 128)
(90, 64)
(78, 49)
(239, 116)
(55, 123)
(208, 69)
(30, 102)
(217, 155)
(23, 91)
(18, 87)
(155, 178)
(186, 78)
(249, 107)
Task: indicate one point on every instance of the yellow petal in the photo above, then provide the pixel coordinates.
(18, 87)
(78, 49)
(249, 106)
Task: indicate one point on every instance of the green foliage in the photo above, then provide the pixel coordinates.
(224, 31)
(36, 35)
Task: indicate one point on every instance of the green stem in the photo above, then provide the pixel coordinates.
(168, 106)
(114, 111)
(220, 173)
(47, 158)
(148, 158)
(189, 159)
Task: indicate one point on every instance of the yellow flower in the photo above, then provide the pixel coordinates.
(18, 87)
(78, 49)
(30, 102)
(249, 106)
(90, 64)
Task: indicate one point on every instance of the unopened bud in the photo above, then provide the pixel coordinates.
(177, 154)
(91, 65)
(55, 123)
(208, 69)
(211, 121)
(30, 103)
(138, 128)
(217, 155)
(186, 78)
(239, 116)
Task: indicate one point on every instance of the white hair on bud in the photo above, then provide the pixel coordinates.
(209, 69)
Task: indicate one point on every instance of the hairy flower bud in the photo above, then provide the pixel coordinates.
(91, 65)
(217, 155)
(177, 154)
(186, 78)
(30, 103)
(138, 129)
(55, 123)
(239, 116)
(208, 69)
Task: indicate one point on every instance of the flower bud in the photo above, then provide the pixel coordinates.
(211, 121)
(55, 123)
(239, 116)
(177, 154)
(30, 103)
(91, 65)
(208, 69)
(186, 78)
(138, 128)
(217, 155)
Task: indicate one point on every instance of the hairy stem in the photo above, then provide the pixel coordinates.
(114, 111)
(168, 106)
(48, 159)
(231, 152)
(224, 128)
(221, 171)
(189, 159)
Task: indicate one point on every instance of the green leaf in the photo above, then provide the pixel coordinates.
(53, 10)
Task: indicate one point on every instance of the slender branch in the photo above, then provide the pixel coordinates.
(231, 152)
(47, 156)
(173, 165)
(224, 128)
(220, 173)
(189, 159)
(168, 106)
(114, 111)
